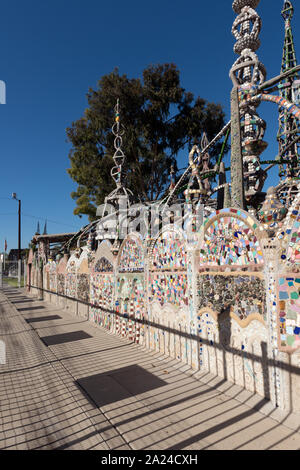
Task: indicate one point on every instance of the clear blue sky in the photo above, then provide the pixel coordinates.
(52, 52)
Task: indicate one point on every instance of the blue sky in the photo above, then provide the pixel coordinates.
(52, 52)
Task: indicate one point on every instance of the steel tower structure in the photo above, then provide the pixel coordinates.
(289, 150)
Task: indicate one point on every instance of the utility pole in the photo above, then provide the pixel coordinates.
(14, 196)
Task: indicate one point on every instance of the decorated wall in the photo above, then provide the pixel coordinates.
(102, 287)
(225, 301)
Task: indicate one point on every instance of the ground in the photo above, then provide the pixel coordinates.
(67, 384)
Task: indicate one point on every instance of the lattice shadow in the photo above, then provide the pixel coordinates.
(65, 338)
(119, 384)
(38, 319)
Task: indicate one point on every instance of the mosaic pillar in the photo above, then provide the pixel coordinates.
(237, 184)
(271, 268)
(192, 296)
(147, 329)
(247, 73)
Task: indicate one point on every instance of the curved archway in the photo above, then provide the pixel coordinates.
(230, 263)
(131, 255)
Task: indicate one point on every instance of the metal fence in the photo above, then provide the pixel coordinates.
(13, 273)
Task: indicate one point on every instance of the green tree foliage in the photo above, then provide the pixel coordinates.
(160, 118)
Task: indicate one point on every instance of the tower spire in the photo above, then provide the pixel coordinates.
(247, 73)
(117, 172)
(288, 125)
(45, 228)
(38, 230)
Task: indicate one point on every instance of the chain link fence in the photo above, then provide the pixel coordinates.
(13, 273)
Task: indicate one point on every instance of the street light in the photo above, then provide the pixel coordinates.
(14, 196)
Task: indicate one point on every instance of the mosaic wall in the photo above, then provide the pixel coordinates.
(83, 287)
(289, 312)
(169, 288)
(132, 258)
(226, 350)
(71, 266)
(61, 284)
(130, 304)
(169, 252)
(53, 282)
(71, 284)
(230, 241)
(215, 320)
(51, 268)
(244, 295)
(291, 253)
(101, 294)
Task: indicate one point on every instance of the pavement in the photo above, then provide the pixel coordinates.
(68, 384)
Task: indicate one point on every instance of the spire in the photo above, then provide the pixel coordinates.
(117, 172)
(38, 230)
(198, 187)
(247, 73)
(45, 228)
(288, 125)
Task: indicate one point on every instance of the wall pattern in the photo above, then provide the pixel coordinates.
(169, 288)
(168, 277)
(227, 350)
(101, 294)
(225, 303)
(243, 295)
(293, 248)
(83, 287)
(131, 305)
(169, 252)
(61, 284)
(131, 258)
(229, 240)
(103, 266)
(71, 281)
(289, 312)
(52, 267)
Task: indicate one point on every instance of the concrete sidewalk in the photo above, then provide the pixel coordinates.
(70, 385)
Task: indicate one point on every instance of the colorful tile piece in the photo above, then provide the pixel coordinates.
(169, 288)
(229, 241)
(101, 294)
(289, 312)
(131, 259)
(169, 252)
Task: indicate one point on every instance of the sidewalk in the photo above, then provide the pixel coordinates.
(70, 385)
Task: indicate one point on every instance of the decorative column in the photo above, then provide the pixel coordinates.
(247, 73)
(271, 268)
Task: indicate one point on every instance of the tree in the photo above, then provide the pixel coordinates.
(160, 118)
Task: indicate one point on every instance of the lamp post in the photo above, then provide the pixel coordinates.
(14, 196)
